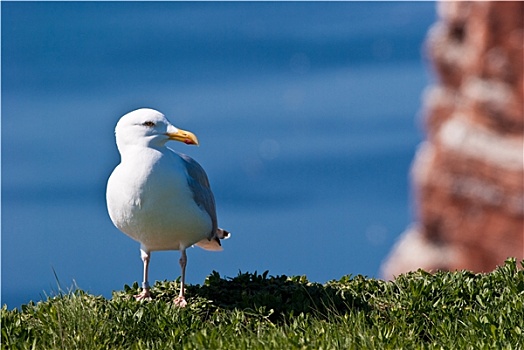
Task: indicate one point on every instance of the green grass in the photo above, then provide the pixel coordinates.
(446, 310)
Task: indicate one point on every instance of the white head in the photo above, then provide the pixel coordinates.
(149, 128)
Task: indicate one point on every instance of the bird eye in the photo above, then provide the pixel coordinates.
(149, 124)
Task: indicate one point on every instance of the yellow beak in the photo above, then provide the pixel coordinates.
(184, 136)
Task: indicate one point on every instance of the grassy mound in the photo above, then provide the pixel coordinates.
(252, 311)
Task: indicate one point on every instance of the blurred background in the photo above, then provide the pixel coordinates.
(468, 173)
(306, 114)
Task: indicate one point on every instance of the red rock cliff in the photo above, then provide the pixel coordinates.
(468, 176)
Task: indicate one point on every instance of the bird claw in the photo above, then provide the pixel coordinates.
(180, 301)
(144, 295)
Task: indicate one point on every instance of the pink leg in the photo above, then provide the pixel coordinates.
(181, 300)
(145, 294)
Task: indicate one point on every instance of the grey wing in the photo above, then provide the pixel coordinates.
(199, 185)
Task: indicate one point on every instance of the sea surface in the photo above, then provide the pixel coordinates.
(307, 114)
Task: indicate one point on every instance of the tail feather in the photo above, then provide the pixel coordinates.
(223, 234)
(213, 243)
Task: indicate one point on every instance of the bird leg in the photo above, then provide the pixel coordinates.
(145, 294)
(181, 300)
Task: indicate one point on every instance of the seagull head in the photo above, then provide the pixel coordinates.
(149, 128)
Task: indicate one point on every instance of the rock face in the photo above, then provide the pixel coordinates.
(468, 176)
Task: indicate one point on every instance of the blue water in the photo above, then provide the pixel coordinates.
(307, 115)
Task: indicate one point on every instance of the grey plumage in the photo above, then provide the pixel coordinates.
(199, 185)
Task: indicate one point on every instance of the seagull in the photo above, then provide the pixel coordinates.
(159, 197)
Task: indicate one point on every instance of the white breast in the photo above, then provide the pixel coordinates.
(149, 199)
